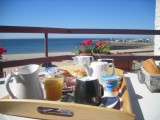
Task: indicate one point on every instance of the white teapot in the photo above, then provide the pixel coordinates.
(98, 69)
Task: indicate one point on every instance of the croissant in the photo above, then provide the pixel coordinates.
(65, 73)
(80, 73)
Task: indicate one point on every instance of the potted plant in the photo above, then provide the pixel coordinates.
(102, 47)
(89, 47)
(84, 48)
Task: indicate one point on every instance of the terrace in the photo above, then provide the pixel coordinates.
(48, 59)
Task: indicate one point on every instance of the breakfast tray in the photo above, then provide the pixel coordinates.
(29, 108)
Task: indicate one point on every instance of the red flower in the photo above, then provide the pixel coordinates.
(100, 43)
(2, 50)
(87, 42)
(84, 43)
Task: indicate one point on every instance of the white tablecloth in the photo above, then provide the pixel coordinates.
(145, 105)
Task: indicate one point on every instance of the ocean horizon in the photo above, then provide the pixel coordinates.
(36, 45)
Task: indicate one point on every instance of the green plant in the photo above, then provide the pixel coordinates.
(85, 47)
(102, 47)
(89, 47)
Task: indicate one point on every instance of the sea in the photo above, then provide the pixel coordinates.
(27, 46)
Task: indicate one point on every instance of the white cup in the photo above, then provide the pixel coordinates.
(109, 61)
(106, 60)
(80, 60)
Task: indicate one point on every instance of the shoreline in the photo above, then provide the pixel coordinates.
(33, 55)
(147, 50)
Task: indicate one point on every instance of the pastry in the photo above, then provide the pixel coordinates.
(150, 66)
(80, 73)
(65, 73)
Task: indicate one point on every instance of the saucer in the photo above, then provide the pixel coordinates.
(110, 102)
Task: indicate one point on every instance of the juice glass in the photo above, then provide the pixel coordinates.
(53, 87)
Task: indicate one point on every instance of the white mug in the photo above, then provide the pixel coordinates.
(26, 84)
(110, 61)
(106, 60)
(100, 69)
(80, 60)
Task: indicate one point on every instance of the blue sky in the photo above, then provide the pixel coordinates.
(109, 14)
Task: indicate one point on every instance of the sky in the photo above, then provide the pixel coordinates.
(109, 14)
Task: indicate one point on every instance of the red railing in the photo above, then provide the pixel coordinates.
(46, 31)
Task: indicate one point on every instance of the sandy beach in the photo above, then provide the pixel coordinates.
(148, 50)
(145, 51)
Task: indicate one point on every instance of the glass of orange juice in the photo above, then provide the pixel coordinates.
(53, 87)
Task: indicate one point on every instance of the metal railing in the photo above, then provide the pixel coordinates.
(46, 31)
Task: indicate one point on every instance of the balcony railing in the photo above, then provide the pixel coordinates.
(46, 31)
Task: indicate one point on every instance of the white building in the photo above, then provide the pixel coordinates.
(157, 27)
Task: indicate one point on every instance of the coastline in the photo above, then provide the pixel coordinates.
(33, 55)
(147, 50)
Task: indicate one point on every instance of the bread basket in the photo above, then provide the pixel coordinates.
(152, 81)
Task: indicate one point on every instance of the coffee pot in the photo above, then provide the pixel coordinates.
(88, 91)
(26, 84)
(98, 69)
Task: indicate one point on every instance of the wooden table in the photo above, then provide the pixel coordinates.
(28, 108)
